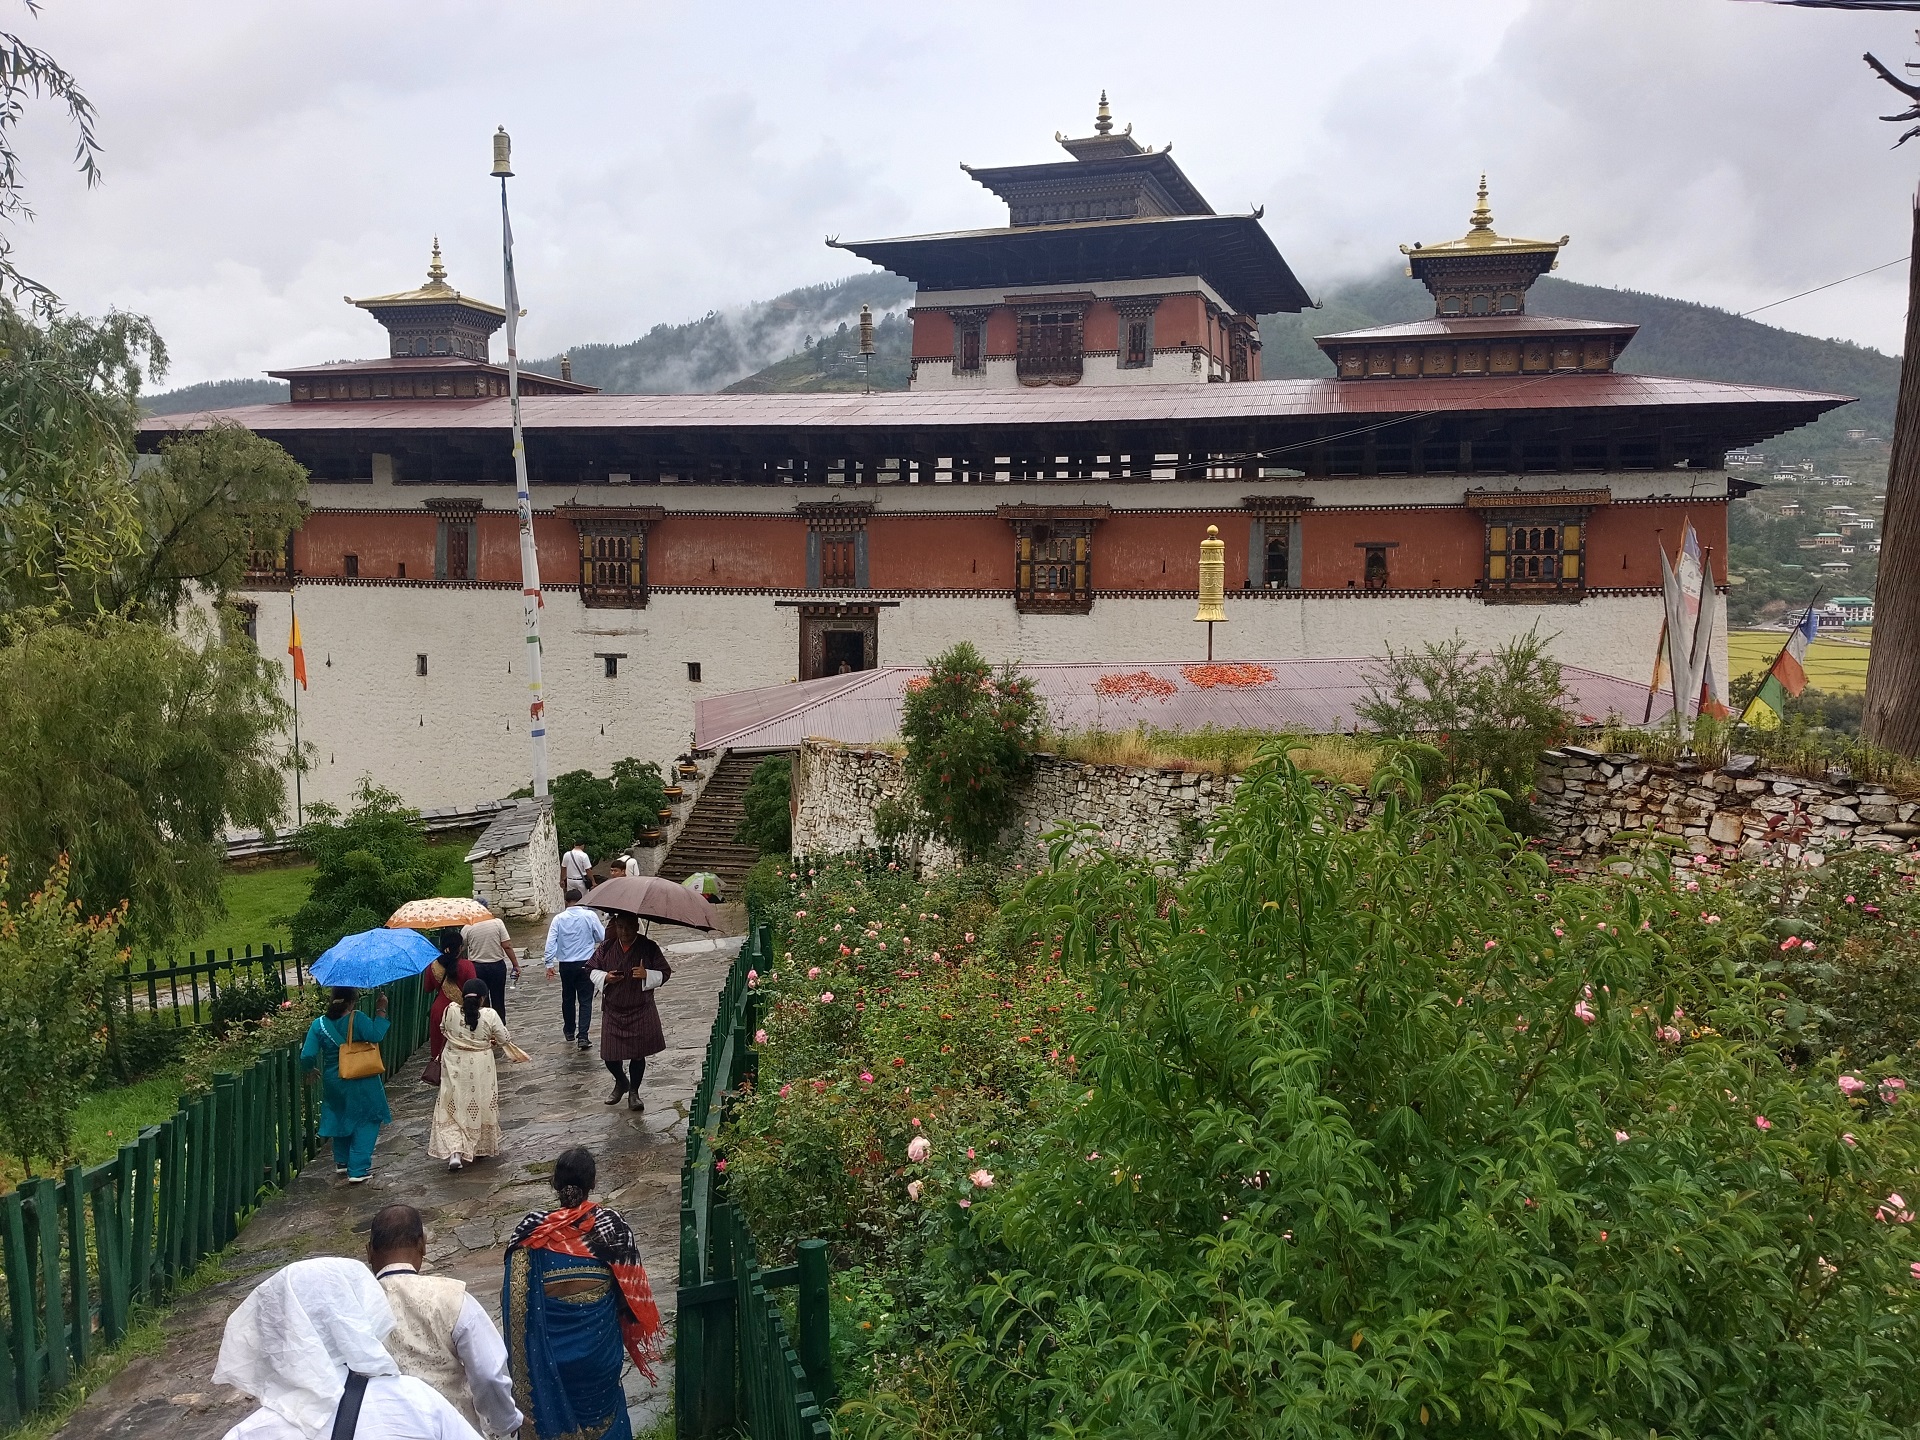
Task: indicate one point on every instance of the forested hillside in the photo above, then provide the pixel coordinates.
(215, 395)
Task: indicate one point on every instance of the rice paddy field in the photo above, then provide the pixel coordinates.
(1833, 664)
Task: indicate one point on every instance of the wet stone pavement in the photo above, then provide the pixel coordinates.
(545, 1106)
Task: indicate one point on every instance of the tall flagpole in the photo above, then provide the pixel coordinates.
(299, 816)
(530, 598)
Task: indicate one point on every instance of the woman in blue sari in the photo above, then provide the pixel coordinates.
(575, 1296)
(351, 1111)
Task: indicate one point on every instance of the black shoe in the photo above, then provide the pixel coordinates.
(585, 1044)
(614, 1098)
(568, 1035)
(634, 1102)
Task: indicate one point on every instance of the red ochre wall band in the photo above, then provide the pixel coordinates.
(1441, 547)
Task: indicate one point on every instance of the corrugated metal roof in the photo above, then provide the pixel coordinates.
(1478, 327)
(900, 410)
(1307, 696)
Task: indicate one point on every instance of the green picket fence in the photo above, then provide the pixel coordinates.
(736, 1369)
(78, 1253)
(178, 989)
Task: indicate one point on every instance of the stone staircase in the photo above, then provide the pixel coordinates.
(706, 841)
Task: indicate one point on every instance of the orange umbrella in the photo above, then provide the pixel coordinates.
(437, 913)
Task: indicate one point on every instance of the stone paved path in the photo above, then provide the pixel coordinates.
(544, 1108)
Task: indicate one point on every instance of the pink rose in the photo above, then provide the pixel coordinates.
(866, 1077)
(826, 997)
(1584, 1012)
(1849, 1085)
(753, 978)
(1891, 1087)
(1760, 1122)
(914, 1187)
(1491, 944)
(966, 1204)
(1850, 1142)
(918, 1149)
(1620, 1137)
(981, 1178)
(759, 1037)
(813, 972)
(785, 1090)
(799, 914)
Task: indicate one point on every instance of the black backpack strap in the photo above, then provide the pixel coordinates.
(346, 1419)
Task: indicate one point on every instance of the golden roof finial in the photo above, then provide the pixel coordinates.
(436, 272)
(1103, 118)
(1482, 216)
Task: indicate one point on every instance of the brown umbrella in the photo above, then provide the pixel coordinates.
(652, 898)
(437, 913)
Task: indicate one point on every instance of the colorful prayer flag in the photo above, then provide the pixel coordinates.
(1788, 676)
(299, 655)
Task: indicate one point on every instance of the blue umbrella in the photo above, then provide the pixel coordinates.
(374, 957)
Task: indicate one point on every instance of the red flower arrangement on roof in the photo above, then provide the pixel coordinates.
(918, 683)
(1134, 685)
(1238, 677)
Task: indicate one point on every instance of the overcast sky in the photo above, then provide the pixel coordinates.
(263, 160)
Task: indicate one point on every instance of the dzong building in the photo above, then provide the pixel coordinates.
(1086, 400)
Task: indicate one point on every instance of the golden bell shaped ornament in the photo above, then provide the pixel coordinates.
(502, 155)
(1213, 577)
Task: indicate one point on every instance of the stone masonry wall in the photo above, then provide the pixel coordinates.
(516, 863)
(1592, 803)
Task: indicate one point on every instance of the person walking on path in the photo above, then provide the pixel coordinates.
(351, 1111)
(630, 867)
(575, 1294)
(576, 868)
(445, 978)
(576, 932)
(307, 1344)
(466, 1115)
(490, 953)
(627, 968)
(440, 1333)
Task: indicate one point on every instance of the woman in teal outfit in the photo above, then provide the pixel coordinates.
(351, 1111)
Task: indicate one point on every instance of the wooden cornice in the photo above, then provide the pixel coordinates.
(1536, 499)
(643, 514)
(1276, 504)
(1053, 512)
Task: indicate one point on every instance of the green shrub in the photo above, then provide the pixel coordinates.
(1488, 715)
(767, 824)
(607, 815)
(145, 1044)
(247, 1000)
(766, 885)
(970, 739)
(367, 864)
(1378, 1131)
(54, 967)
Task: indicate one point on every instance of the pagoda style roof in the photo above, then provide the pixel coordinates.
(436, 291)
(1481, 239)
(1232, 253)
(1111, 176)
(1483, 327)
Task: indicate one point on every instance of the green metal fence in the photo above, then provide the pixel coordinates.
(78, 1253)
(735, 1367)
(179, 988)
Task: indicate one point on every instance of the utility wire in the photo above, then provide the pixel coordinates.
(1828, 286)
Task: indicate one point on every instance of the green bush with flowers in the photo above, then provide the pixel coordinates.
(1373, 1130)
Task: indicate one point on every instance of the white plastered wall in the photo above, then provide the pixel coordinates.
(459, 733)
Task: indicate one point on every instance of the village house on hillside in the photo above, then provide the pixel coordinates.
(1086, 402)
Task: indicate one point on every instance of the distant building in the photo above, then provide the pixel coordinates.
(1835, 567)
(1838, 481)
(1826, 539)
(1858, 609)
(1738, 458)
(1789, 508)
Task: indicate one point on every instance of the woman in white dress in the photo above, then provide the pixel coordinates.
(466, 1118)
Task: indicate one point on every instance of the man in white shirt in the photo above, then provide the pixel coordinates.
(576, 932)
(576, 868)
(631, 866)
(487, 946)
(440, 1333)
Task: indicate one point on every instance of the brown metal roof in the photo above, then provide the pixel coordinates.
(935, 410)
(1305, 696)
(1479, 327)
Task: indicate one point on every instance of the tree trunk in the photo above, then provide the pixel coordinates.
(1892, 716)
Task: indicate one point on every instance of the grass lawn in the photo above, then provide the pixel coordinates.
(260, 901)
(1832, 665)
(108, 1119)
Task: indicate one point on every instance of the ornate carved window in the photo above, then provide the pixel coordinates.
(270, 565)
(836, 545)
(1273, 552)
(613, 555)
(456, 548)
(1052, 345)
(1053, 556)
(969, 341)
(1136, 331)
(1536, 544)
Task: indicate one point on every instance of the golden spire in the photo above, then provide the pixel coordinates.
(1482, 216)
(436, 272)
(1103, 118)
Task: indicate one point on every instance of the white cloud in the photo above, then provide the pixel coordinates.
(264, 160)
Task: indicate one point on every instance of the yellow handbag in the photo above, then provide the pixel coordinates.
(359, 1059)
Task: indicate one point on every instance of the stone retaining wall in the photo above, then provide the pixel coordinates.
(1590, 805)
(1593, 803)
(516, 863)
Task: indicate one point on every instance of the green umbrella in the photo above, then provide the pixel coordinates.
(704, 882)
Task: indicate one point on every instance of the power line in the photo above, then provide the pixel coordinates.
(1828, 286)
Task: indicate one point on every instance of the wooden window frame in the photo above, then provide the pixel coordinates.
(458, 532)
(836, 544)
(1535, 546)
(969, 341)
(613, 555)
(1053, 557)
(1063, 359)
